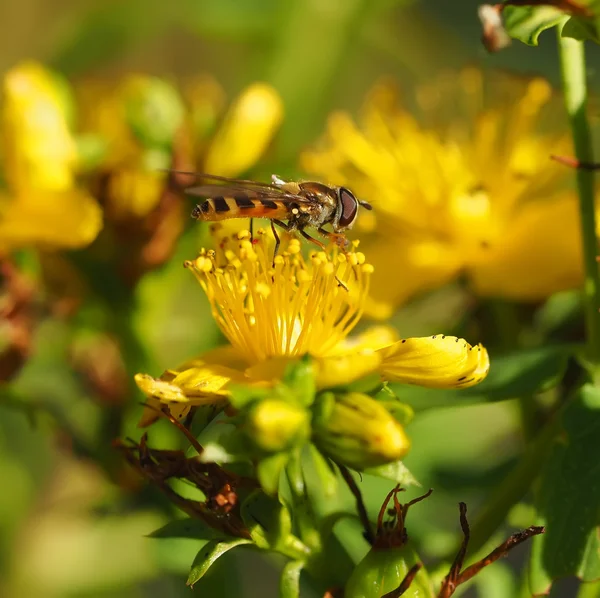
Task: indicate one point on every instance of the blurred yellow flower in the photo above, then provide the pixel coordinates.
(40, 204)
(131, 127)
(466, 189)
(144, 125)
(274, 312)
(248, 128)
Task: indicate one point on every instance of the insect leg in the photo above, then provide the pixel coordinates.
(277, 241)
(309, 238)
(339, 240)
(286, 227)
(251, 229)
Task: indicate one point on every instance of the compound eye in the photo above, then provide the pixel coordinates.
(349, 208)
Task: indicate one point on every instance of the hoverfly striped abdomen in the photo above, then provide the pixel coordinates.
(239, 206)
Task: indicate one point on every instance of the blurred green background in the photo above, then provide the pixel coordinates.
(72, 520)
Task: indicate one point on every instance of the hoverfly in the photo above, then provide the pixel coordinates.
(293, 206)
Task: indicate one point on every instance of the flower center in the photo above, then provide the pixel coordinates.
(288, 305)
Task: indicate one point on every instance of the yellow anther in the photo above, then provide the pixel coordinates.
(368, 268)
(263, 289)
(360, 257)
(341, 258)
(294, 246)
(303, 276)
(328, 268)
(243, 234)
(353, 259)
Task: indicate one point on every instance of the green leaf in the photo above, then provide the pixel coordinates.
(568, 498)
(268, 471)
(525, 23)
(208, 555)
(517, 374)
(267, 519)
(289, 584)
(581, 29)
(323, 469)
(185, 528)
(396, 471)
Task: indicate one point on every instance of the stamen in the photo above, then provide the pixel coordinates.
(291, 305)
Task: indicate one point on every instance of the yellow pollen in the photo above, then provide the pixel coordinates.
(296, 306)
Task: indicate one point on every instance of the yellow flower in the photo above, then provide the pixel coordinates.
(246, 131)
(41, 204)
(143, 126)
(134, 122)
(274, 311)
(466, 189)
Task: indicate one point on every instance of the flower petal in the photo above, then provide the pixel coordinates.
(404, 267)
(372, 338)
(199, 384)
(539, 254)
(437, 361)
(247, 130)
(344, 369)
(68, 219)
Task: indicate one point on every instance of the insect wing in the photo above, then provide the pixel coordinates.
(214, 180)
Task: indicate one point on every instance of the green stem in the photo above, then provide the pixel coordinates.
(572, 61)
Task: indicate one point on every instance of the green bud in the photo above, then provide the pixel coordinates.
(383, 570)
(358, 431)
(387, 565)
(275, 425)
(153, 109)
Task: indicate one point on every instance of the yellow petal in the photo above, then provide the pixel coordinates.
(345, 369)
(539, 254)
(375, 337)
(247, 130)
(200, 381)
(404, 267)
(68, 219)
(39, 150)
(437, 361)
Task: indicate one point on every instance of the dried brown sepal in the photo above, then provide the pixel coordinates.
(17, 319)
(164, 412)
(500, 551)
(220, 509)
(455, 577)
(494, 36)
(406, 582)
(360, 505)
(393, 534)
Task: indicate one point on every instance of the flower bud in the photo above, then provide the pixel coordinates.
(274, 425)
(358, 431)
(383, 570)
(247, 130)
(391, 565)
